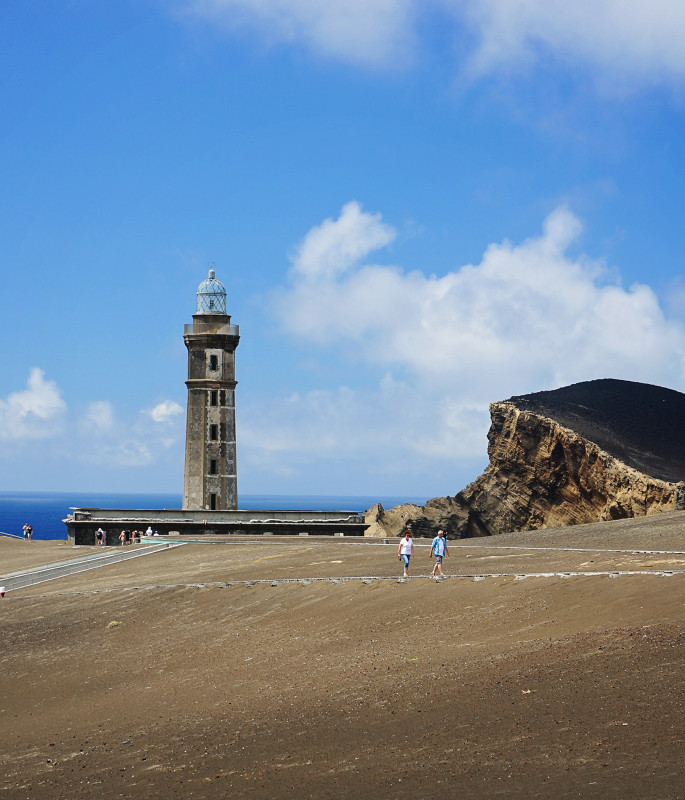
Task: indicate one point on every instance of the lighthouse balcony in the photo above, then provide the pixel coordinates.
(211, 324)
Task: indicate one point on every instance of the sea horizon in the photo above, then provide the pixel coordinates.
(44, 511)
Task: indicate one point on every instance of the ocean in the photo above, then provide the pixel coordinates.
(44, 511)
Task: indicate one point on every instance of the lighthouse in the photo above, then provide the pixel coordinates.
(210, 479)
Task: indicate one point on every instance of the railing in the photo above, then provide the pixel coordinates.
(211, 327)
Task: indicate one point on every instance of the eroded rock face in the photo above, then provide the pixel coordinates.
(542, 474)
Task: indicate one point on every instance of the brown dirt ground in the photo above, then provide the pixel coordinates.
(543, 687)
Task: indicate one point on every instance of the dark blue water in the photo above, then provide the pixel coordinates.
(44, 511)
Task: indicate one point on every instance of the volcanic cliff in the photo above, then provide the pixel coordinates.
(593, 451)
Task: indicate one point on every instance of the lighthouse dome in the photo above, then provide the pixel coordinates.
(211, 295)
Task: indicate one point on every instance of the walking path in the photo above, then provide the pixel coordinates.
(108, 556)
(256, 541)
(568, 549)
(30, 577)
(368, 579)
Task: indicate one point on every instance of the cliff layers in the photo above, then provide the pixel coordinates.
(593, 451)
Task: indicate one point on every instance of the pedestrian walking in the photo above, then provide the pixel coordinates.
(406, 550)
(439, 550)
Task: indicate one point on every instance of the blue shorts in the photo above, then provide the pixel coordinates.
(438, 559)
(405, 558)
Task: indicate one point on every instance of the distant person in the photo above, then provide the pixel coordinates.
(98, 537)
(148, 532)
(439, 550)
(122, 538)
(406, 550)
(26, 529)
(104, 538)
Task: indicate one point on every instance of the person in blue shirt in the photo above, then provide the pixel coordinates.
(439, 550)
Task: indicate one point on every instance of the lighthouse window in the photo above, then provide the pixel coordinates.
(213, 432)
(213, 362)
(212, 467)
(212, 502)
(214, 398)
(222, 398)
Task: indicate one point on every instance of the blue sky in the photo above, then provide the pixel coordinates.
(416, 208)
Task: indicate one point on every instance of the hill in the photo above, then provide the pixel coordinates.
(641, 425)
(597, 450)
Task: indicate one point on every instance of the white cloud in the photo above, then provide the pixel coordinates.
(674, 299)
(128, 441)
(393, 430)
(370, 32)
(95, 436)
(100, 415)
(119, 452)
(528, 317)
(630, 39)
(37, 426)
(332, 247)
(163, 412)
(36, 412)
(625, 38)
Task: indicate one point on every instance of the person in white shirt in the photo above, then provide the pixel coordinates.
(406, 550)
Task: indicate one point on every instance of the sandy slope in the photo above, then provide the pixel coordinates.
(543, 687)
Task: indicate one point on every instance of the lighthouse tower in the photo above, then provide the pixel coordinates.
(210, 481)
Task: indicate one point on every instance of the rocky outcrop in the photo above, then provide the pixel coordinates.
(589, 452)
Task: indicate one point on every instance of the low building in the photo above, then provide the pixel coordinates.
(83, 523)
